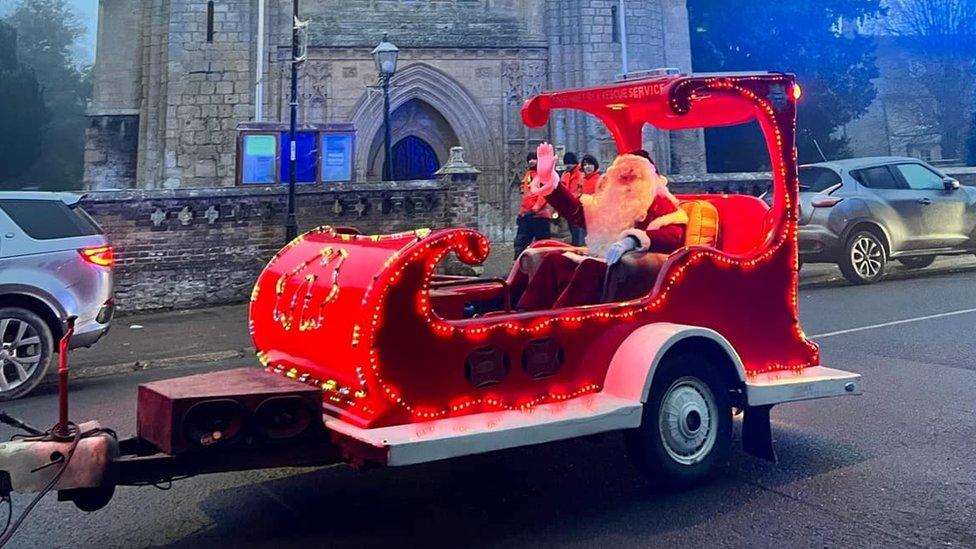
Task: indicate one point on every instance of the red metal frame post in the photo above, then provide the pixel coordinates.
(61, 429)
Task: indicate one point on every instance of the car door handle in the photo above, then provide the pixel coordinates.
(924, 201)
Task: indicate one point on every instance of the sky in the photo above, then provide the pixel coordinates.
(87, 12)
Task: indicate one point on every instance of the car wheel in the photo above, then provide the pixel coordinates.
(686, 426)
(26, 349)
(864, 258)
(918, 262)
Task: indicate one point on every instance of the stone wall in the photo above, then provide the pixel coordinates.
(187, 248)
(443, 23)
(208, 91)
(754, 183)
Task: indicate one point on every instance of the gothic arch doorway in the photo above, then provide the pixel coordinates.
(422, 139)
(413, 158)
(439, 95)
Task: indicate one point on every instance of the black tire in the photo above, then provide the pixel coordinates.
(89, 500)
(917, 262)
(35, 358)
(683, 374)
(865, 258)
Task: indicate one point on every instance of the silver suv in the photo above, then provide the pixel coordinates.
(861, 212)
(55, 263)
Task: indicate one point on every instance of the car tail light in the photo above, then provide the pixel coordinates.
(103, 256)
(826, 202)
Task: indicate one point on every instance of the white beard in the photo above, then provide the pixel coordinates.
(621, 200)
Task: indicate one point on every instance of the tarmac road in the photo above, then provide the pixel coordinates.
(892, 468)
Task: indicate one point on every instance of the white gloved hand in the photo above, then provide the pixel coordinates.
(546, 179)
(619, 248)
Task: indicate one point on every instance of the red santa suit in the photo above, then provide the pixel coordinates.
(632, 201)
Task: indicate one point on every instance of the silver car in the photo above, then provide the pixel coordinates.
(55, 263)
(861, 212)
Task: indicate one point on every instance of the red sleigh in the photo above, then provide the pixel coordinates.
(406, 377)
(413, 366)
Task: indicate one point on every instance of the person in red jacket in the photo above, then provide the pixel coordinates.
(630, 210)
(534, 214)
(591, 174)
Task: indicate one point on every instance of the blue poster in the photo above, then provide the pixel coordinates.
(336, 157)
(306, 157)
(259, 159)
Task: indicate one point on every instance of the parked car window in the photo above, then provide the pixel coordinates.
(47, 219)
(815, 179)
(919, 177)
(879, 177)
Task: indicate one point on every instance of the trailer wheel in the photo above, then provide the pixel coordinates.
(686, 427)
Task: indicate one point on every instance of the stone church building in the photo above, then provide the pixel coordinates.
(174, 83)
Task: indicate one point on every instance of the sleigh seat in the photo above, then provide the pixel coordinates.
(731, 223)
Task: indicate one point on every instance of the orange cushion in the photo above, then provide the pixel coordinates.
(702, 228)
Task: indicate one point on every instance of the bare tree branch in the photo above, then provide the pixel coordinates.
(942, 35)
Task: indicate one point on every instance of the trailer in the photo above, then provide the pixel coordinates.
(370, 357)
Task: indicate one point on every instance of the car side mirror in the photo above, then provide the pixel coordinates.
(950, 183)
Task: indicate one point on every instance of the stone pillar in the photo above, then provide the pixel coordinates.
(461, 209)
(460, 205)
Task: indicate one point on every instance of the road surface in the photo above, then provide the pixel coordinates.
(892, 468)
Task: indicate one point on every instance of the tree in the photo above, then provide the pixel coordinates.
(943, 33)
(47, 31)
(22, 111)
(805, 37)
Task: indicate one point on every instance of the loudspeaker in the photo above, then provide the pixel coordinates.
(542, 357)
(486, 366)
(231, 407)
(284, 417)
(217, 421)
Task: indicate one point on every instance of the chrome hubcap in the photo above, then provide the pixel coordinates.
(20, 352)
(867, 256)
(687, 421)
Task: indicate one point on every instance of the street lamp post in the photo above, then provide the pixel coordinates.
(291, 223)
(385, 56)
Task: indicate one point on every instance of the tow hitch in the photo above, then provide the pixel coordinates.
(73, 459)
(230, 420)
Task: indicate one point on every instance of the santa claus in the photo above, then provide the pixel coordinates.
(631, 210)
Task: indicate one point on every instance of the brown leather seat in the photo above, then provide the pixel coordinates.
(636, 273)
